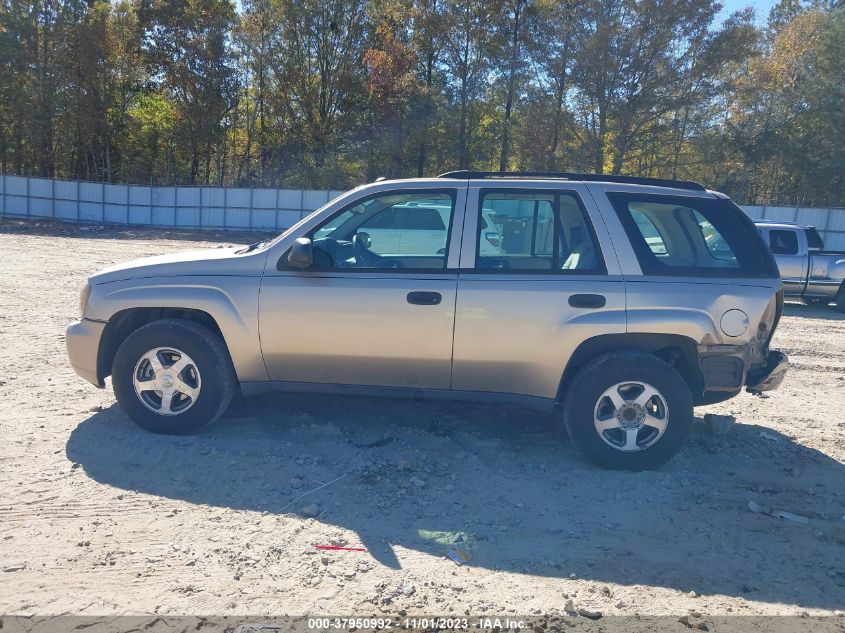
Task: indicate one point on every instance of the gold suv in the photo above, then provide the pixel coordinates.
(622, 302)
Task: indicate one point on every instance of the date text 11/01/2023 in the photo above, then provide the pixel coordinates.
(416, 623)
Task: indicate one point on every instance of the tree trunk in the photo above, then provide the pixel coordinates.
(505, 155)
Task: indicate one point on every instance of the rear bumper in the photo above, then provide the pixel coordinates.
(83, 345)
(768, 377)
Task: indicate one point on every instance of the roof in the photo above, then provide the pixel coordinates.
(553, 175)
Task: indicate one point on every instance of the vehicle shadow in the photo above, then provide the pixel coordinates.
(495, 482)
(796, 309)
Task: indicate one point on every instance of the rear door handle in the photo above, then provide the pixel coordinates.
(587, 301)
(425, 298)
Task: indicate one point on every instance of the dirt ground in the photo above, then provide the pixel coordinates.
(99, 517)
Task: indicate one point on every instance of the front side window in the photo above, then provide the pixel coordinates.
(674, 235)
(388, 231)
(538, 231)
(783, 242)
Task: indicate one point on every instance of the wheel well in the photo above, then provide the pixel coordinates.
(125, 322)
(679, 351)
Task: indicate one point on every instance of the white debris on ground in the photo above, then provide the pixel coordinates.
(98, 517)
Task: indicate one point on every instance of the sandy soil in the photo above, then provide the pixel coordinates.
(97, 516)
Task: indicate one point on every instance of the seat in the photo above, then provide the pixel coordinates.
(582, 257)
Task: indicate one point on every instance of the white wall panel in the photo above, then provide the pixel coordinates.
(65, 189)
(188, 216)
(241, 208)
(41, 187)
(16, 186)
(65, 209)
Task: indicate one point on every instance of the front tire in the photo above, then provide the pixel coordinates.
(816, 302)
(628, 411)
(173, 376)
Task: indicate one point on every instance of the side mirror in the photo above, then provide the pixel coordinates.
(301, 253)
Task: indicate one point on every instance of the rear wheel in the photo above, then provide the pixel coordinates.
(628, 410)
(840, 300)
(173, 376)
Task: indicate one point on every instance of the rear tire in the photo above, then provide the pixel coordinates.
(173, 376)
(840, 300)
(628, 411)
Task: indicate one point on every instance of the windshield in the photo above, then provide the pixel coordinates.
(293, 229)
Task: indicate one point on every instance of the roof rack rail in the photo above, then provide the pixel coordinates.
(554, 175)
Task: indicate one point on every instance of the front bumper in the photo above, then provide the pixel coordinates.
(83, 345)
(768, 377)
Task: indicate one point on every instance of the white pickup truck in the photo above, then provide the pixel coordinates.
(808, 270)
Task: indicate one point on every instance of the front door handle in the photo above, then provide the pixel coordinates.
(587, 301)
(425, 298)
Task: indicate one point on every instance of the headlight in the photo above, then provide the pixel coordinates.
(83, 298)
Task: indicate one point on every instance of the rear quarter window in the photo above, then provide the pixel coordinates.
(691, 236)
(814, 240)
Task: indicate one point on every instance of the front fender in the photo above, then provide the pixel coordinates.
(232, 301)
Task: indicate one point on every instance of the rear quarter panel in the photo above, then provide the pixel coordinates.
(694, 307)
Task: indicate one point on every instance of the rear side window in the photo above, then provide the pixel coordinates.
(542, 231)
(814, 240)
(783, 242)
(676, 235)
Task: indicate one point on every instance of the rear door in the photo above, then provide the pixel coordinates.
(551, 283)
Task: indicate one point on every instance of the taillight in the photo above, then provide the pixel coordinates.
(493, 238)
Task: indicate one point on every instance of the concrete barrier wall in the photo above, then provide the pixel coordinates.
(248, 209)
(181, 207)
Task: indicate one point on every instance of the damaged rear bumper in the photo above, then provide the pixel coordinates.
(770, 376)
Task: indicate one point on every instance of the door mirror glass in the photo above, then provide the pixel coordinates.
(301, 253)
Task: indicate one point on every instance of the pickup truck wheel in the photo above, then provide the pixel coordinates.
(840, 300)
(628, 411)
(173, 376)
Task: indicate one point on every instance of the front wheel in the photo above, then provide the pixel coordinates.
(815, 301)
(628, 411)
(173, 376)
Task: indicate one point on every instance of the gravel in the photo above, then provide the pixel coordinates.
(167, 522)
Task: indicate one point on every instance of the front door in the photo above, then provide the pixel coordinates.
(369, 312)
(791, 258)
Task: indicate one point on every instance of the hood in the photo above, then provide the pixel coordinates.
(200, 262)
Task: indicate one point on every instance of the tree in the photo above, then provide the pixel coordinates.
(641, 60)
(468, 48)
(186, 42)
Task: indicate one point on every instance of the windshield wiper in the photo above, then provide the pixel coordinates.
(252, 247)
